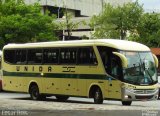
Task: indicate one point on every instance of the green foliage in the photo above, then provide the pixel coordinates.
(114, 22)
(149, 29)
(21, 23)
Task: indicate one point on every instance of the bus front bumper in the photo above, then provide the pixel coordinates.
(139, 94)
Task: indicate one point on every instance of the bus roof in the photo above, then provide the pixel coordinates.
(114, 43)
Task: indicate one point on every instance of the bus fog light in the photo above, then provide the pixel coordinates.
(126, 96)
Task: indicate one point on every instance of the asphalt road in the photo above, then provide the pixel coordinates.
(12, 104)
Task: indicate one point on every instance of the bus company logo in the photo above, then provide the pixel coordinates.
(68, 69)
(32, 68)
(149, 113)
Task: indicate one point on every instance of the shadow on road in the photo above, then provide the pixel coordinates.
(55, 100)
(79, 102)
(21, 96)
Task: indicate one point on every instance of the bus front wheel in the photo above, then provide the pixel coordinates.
(98, 99)
(126, 103)
(34, 93)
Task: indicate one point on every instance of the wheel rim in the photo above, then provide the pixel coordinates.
(35, 93)
(98, 99)
(97, 95)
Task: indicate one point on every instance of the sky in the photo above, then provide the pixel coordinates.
(150, 5)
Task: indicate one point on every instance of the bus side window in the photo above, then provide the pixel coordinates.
(20, 57)
(68, 55)
(9, 56)
(50, 56)
(86, 56)
(34, 56)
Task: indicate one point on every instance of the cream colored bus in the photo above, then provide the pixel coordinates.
(99, 69)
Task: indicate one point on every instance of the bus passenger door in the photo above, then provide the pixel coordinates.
(113, 71)
(115, 75)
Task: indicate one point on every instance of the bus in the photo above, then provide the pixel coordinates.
(102, 69)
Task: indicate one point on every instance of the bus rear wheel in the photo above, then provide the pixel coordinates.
(98, 99)
(62, 98)
(34, 93)
(126, 103)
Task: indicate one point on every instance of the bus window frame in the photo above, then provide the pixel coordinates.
(87, 64)
(4, 52)
(67, 48)
(52, 48)
(33, 62)
(25, 56)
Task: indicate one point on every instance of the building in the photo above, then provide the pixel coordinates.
(78, 9)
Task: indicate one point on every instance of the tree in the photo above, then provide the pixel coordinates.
(114, 22)
(68, 24)
(149, 30)
(21, 23)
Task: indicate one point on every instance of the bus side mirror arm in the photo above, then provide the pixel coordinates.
(123, 59)
(155, 60)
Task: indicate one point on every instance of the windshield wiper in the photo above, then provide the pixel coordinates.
(146, 70)
(150, 76)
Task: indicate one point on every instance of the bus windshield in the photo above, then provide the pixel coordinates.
(141, 68)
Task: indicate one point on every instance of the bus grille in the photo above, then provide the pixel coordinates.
(146, 91)
(144, 97)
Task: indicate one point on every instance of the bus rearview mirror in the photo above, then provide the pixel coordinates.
(155, 60)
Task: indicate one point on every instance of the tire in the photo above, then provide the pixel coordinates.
(126, 103)
(34, 93)
(62, 98)
(98, 99)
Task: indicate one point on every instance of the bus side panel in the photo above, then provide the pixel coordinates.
(18, 80)
(82, 87)
(69, 86)
(13, 84)
(20, 84)
(52, 85)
